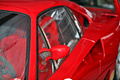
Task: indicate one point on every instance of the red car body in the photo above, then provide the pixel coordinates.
(94, 57)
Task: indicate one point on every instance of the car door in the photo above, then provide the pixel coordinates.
(60, 27)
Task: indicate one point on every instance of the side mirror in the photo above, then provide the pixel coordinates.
(57, 52)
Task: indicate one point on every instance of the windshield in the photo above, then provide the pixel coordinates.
(13, 44)
(106, 4)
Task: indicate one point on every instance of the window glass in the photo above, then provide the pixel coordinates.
(59, 28)
(44, 67)
(13, 43)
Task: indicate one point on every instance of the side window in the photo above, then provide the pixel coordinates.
(13, 44)
(44, 67)
(58, 28)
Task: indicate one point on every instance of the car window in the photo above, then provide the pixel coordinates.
(45, 68)
(13, 44)
(60, 28)
(106, 4)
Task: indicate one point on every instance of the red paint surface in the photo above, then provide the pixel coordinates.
(103, 31)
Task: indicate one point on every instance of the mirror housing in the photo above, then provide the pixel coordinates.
(57, 52)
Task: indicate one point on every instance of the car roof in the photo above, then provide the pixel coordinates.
(31, 6)
(34, 7)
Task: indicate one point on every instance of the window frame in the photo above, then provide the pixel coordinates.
(44, 37)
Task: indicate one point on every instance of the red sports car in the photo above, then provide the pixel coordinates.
(58, 40)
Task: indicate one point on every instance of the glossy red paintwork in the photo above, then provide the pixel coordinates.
(57, 52)
(96, 52)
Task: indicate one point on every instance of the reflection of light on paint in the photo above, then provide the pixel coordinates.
(88, 12)
(119, 23)
(89, 40)
(105, 37)
(67, 79)
(118, 26)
